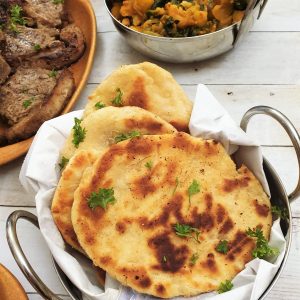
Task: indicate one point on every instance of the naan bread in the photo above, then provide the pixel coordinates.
(147, 86)
(101, 128)
(134, 239)
(64, 195)
(103, 125)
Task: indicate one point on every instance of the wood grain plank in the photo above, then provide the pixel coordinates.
(35, 296)
(276, 17)
(250, 63)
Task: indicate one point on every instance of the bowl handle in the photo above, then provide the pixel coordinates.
(19, 256)
(246, 21)
(289, 128)
(262, 7)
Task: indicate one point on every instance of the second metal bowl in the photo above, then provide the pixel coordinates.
(189, 49)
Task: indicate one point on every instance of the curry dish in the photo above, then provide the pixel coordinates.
(178, 18)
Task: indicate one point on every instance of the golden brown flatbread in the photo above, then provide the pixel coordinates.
(147, 86)
(140, 195)
(101, 129)
(102, 126)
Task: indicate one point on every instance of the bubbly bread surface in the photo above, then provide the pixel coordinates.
(148, 86)
(64, 195)
(104, 125)
(101, 127)
(161, 183)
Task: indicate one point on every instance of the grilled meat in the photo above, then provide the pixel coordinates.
(32, 96)
(4, 69)
(32, 47)
(58, 55)
(28, 42)
(44, 12)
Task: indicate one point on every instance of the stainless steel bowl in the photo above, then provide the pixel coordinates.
(279, 197)
(190, 49)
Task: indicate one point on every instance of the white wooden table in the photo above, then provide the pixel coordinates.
(265, 69)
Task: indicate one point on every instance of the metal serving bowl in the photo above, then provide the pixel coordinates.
(190, 49)
(279, 197)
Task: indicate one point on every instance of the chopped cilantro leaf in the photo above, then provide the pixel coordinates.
(99, 105)
(193, 189)
(28, 102)
(53, 74)
(63, 162)
(149, 164)
(225, 286)
(101, 198)
(37, 47)
(194, 259)
(262, 249)
(280, 212)
(126, 136)
(117, 101)
(222, 247)
(183, 230)
(78, 133)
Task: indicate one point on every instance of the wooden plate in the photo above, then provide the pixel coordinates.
(82, 13)
(10, 287)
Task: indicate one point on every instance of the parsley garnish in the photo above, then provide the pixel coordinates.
(15, 15)
(64, 161)
(193, 189)
(194, 259)
(58, 1)
(28, 102)
(225, 286)
(102, 198)
(13, 28)
(78, 133)
(176, 185)
(149, 164)
(280, 212)
(222, 247)
(37, 47)
(164, 259)
(117, 101)
(262, 248)
(184, 230)
(53, 74)
(126, 136)
(99, 105)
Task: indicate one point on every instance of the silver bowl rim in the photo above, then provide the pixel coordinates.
(164, 38)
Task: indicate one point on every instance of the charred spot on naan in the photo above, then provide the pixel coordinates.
(170, 258)
(139, 277)
(138, 96)
(161, 174)
(146, 123)
(261, 209)
(209, 265)
(241, 245)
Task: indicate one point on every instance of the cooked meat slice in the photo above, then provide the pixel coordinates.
(24, 91)
(28, 42)
(4, 70)
(44, 12)
(48, 108)
(63, 54)
(2, 40)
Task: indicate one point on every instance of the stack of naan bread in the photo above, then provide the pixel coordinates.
(161, 179)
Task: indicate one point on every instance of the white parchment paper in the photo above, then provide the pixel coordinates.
(40, 173)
